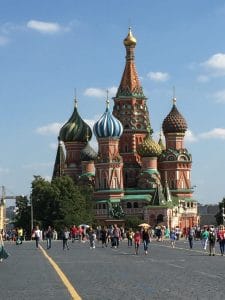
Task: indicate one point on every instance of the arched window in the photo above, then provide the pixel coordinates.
(159, 218)
(129, 205)
(135, 205)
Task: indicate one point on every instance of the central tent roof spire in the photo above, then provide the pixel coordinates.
(130, 84)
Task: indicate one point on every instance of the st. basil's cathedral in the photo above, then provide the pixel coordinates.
(132, 175)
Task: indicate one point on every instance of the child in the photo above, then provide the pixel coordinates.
(137, 241)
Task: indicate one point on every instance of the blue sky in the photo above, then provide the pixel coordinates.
(49, 48)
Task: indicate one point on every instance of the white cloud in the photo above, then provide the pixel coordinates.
(100, 93)
(3, 40)
(216, 62)
(45, 27)
(50, 129)
(220, 96)
(158, 76)
(91, 122)
(190, 137)
(216, 133)
(4, 170)
(47, 178)
(203, 78)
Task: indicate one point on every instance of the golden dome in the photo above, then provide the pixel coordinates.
(149, 148)
(130, 39)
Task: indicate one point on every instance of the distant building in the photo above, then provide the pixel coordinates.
(132, 174)
(207, 214)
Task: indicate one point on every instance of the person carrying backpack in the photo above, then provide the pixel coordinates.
(212, 241)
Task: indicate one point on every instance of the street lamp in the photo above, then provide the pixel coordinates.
(223, 215)
(31, 216)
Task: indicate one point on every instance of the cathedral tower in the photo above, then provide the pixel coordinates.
(74, 135)
(175, 162)
(131, 109)
(109, 163)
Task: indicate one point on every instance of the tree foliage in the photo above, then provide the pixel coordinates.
(219, 215)
(132, 222)
(23, 213)
(60, 202)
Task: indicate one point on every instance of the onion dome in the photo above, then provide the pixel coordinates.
(108, 125)
(130, 39)
(88, 153)
(75, 130)
(149, 148)
(174, 122)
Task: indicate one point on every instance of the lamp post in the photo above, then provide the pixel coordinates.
(223, 215)
(31, 216)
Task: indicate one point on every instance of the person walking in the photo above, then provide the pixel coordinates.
(130, 235)
(137, 241)
(116, 235)
(49, 236)
(37, 235)
(190, 236)
(66, 235)
(212, 241)
(173, 237)
(3, 253)
(103, 236)
(204, 238)
(146, 239)
(92, 237)
(221, 239)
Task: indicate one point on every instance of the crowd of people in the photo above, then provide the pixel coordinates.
(112, 235)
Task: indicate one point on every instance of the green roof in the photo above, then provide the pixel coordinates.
(137, 197)
(112, 200)
(87, 174)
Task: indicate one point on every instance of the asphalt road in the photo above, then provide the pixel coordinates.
(106, 273)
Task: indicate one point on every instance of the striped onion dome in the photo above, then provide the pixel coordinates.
(108, 125)
(75, 129)
(88, 153)
(174, 121)
(149, 148)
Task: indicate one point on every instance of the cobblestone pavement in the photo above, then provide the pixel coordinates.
(106, 273)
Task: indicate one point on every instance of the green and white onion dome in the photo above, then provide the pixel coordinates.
(75, 129)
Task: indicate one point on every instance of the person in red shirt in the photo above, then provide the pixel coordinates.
(74, 232)
(137, 241)
(221, 239)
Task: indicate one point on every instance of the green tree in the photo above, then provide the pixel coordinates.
(132, 222)
(60, 202)
(219, 215)
(23, 213)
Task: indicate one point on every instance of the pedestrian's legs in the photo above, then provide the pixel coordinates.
(146, 246)
(136, 248)
(190, 242)
(37, 240)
